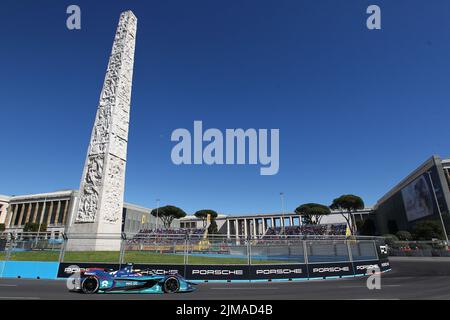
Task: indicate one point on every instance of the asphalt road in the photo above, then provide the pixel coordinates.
(410, 278)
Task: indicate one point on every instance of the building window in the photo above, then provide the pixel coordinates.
(18, 210)
(32, 212)
(62, 211)
(25, 212)
(54, 211)
(447, 176)
(46, 211)
(39, 212)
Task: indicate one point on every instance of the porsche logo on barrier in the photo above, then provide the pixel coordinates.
(160, 272)
(206, 272)
(367, 266)
(331, 269)
(278, 271)
(71, 270)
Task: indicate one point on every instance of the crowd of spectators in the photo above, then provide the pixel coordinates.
(169, 234)
(178, 235)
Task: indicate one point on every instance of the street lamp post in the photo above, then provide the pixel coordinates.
(282, 212)
(439, 209)
(157, 212)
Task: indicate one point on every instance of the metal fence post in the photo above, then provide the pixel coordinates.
(249, 249)
(12, 242)
(305, 251)
(185, 253)
(7, 244)
(62, 251)
(350, 255)
(376, 249)
(123, 238)
(349, 249)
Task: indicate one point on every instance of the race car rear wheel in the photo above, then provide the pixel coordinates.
(171, 285)
(90, 285)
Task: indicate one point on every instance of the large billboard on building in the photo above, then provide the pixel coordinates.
(417, 199)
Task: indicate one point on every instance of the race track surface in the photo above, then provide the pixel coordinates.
(411, 278)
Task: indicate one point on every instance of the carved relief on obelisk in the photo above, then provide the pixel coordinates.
(102, 183)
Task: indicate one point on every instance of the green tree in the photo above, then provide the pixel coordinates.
(390, 240)
(2, 227)
(427, 230)
(404, 235)
(312, 213)
(34, 227)
(203, 215)
(348, 204)
(167, 214)
(212, 229)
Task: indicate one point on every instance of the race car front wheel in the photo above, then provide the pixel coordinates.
(171, 285)
(90, 285)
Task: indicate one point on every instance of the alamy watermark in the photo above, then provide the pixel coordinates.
(374, 279)
(73, 21)
(373, 22)
(190, 148)
(73, 282)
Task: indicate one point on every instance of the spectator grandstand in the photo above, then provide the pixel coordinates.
(173, 231)
(309, 230)
(168, 235)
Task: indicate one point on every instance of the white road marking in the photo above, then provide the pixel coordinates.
(391, 285)
(377, 299)
(8, 285)
(21, 298)
(363, 286)
(244, 288)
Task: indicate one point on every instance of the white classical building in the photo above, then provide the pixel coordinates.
(4, 203)
(258, 224)
(56, 210)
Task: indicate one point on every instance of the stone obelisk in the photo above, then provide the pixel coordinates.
(100, 199)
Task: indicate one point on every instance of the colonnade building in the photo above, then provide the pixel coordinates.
(55, 210)
(255, 225)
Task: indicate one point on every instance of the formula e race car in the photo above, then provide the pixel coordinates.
(127, 280)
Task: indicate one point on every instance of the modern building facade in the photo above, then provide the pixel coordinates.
(192, 222)
(422, 195)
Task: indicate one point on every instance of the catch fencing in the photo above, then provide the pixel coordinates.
(200, 257)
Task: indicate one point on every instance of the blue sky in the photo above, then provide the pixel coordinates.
(357, 109)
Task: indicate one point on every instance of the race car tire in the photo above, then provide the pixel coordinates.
(171, 285)
(90, 285)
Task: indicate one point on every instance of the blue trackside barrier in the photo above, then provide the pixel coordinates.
(29, 269)
(56, 270)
